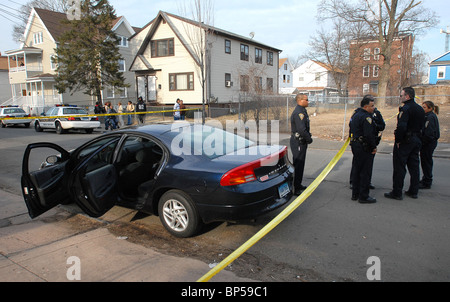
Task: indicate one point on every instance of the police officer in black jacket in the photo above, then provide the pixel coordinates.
(430, 136)
(300, 139)
(410, 122)
(363, 133)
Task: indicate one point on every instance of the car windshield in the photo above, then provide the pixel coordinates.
(205, 140)
(74, 111)
(13, 110)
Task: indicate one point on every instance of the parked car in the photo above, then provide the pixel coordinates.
(66, 117)
(187, 174)
(14, 112)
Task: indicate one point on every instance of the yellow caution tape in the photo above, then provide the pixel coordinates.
(93, 115)
(277, 220)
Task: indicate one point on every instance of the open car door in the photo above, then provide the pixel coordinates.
(87, 177)
(43, 189)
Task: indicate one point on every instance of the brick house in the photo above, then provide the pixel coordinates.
(367, 61)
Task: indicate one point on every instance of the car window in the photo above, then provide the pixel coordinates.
(91, 148)
(52, 112)
(68, 111)
(13, 110)
(104, 150)
(208, 141)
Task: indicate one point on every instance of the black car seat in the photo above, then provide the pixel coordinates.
(138, 172)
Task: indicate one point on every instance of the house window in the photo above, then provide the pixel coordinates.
(317, 76)
(270, 84)
(288, 78)
(244, 52)
(285, 66)
(53, 64)
(376, 54)
(270, 58)
(228, 80)
(258, 55)
(181, 81)
(122, 65)
(123, 93)
(366, 88)
(122, 41)
(163, 48)
(227, 46)
(376, 71)
(244, 82)
(441, 72)
(366, 54)
(110, 92)
(366, 71)
(258, 84)
(38, 38)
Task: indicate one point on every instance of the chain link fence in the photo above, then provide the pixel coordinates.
(329, 116)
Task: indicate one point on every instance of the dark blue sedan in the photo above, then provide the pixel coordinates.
(188, 174)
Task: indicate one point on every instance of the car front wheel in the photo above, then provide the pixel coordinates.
(178, 214)
(37, 127)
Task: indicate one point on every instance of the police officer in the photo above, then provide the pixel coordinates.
(430, 136)
(410, 122)
(300, 139)
(380, 125)
(363, 133)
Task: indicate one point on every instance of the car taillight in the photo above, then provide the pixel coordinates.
(94, 119)
(71, 119)
(246, 172)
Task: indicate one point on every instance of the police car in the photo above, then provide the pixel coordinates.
(67, 117)
(14, 112)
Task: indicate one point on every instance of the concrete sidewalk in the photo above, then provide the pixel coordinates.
(41, 250)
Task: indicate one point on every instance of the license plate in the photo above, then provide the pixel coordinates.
(85, 118)
(284, 190)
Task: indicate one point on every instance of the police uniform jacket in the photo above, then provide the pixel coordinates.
(431, 131)
(363, 130)
(300, 124)
(410, 121)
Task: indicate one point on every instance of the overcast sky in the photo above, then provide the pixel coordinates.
(286, 24)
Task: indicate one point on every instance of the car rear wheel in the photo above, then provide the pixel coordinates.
(178, 214)
(59, 128)
(3, 125)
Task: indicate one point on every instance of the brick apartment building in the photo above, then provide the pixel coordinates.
(367, 62)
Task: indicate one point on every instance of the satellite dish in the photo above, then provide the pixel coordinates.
(252, 34)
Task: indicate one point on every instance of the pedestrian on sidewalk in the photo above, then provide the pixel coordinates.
(300, 139)
(130, 109)
(430, 137)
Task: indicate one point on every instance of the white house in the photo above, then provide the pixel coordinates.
(169, 64)
(286, 77)
(32, 73)
(314, 78)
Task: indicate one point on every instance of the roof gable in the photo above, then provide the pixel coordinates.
(441, 59)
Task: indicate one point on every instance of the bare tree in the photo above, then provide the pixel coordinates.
(385, 20)
(333, 48)
(201, 12)
(25, 10)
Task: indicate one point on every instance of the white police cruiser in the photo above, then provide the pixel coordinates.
(14, 112)
(66, 117)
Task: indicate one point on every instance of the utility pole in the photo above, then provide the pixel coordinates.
(447, 34)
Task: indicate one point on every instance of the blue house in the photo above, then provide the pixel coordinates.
(440, 69)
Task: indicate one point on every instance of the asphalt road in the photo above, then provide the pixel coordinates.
(328, 238)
